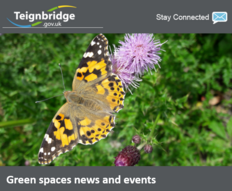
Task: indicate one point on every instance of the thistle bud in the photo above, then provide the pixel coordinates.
(136, 139)
(27, 163)
(129, 156)
(148, 148)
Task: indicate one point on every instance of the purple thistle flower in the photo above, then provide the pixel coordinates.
(129, 156)
(124, 74)
(139, 53)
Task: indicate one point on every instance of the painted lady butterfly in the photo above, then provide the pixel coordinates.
(88, 115)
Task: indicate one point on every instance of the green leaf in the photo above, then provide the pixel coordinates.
(218, 129)
(180, 102)
(229, 127)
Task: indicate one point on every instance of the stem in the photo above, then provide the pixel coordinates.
(17, 123)
(153, 128)
(141, 146)
(148, 82)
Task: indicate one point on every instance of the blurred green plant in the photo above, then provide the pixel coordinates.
(191, 94)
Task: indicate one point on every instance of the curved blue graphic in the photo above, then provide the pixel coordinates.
(24, 26)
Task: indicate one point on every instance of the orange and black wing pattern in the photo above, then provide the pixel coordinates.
(95, 64)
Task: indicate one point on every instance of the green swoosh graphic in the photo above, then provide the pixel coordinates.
(52, 9)
(37, 23)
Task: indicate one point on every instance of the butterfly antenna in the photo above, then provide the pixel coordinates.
(62, 76)
(56, 95)
(48, 98)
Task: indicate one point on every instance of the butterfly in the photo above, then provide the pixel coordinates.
(89, 113)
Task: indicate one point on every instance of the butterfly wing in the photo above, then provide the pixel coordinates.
(95, 81)
(60, 137)
(94, 78)
(95, 64)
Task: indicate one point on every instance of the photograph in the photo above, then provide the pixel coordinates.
(115, 99)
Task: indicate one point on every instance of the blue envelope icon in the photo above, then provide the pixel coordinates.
(219, 17)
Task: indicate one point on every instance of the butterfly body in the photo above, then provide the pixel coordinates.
(89, 113)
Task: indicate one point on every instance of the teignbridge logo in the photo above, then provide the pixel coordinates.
(49, 18)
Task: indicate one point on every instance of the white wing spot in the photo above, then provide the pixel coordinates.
(48, 139)
(41, 150)
(49, 153)
(45, 153)
(53, 148)
(73, 146)
(88, 54)
(60, 152)
(99, 52)
(100, 46)
(98, 43)
(93, 43)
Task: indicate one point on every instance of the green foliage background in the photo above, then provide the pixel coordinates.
(192, 130)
